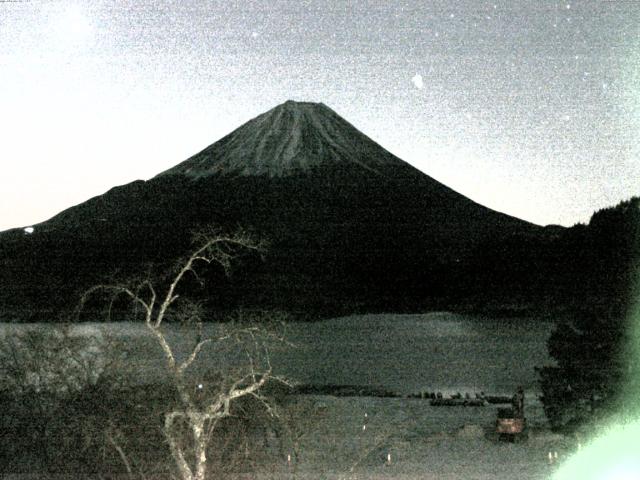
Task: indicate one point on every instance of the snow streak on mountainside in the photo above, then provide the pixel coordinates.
(288, 139)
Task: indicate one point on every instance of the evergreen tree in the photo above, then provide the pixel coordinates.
(591, 345)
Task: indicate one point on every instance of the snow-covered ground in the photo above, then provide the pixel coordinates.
(421, 442)
(437, 351)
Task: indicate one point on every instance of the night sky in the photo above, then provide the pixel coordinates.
(528, 107)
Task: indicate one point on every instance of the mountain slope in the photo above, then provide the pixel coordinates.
(351, 227)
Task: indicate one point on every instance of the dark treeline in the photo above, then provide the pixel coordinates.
(582, 267)
(594, 343)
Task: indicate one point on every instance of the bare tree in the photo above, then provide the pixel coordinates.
(42, 368)
(188, 427)
(53, 361)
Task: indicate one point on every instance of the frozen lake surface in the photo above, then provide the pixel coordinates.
(436, 351)
(410, 353)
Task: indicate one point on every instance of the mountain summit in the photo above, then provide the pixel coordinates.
(291, 138)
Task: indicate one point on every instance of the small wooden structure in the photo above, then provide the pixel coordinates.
(510, 426)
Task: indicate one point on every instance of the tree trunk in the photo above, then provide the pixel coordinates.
(200, 444)
(176, 449)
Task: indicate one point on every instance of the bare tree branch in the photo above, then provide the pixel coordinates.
(200, 415)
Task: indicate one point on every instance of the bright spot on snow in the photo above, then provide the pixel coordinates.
(28, 230)
(255, 34)
(417, 81)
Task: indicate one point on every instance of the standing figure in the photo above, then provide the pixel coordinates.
(518, 403)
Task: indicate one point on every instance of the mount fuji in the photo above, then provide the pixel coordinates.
(351, 227)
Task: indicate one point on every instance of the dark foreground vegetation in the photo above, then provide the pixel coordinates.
(78, 394)
(106, 431)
